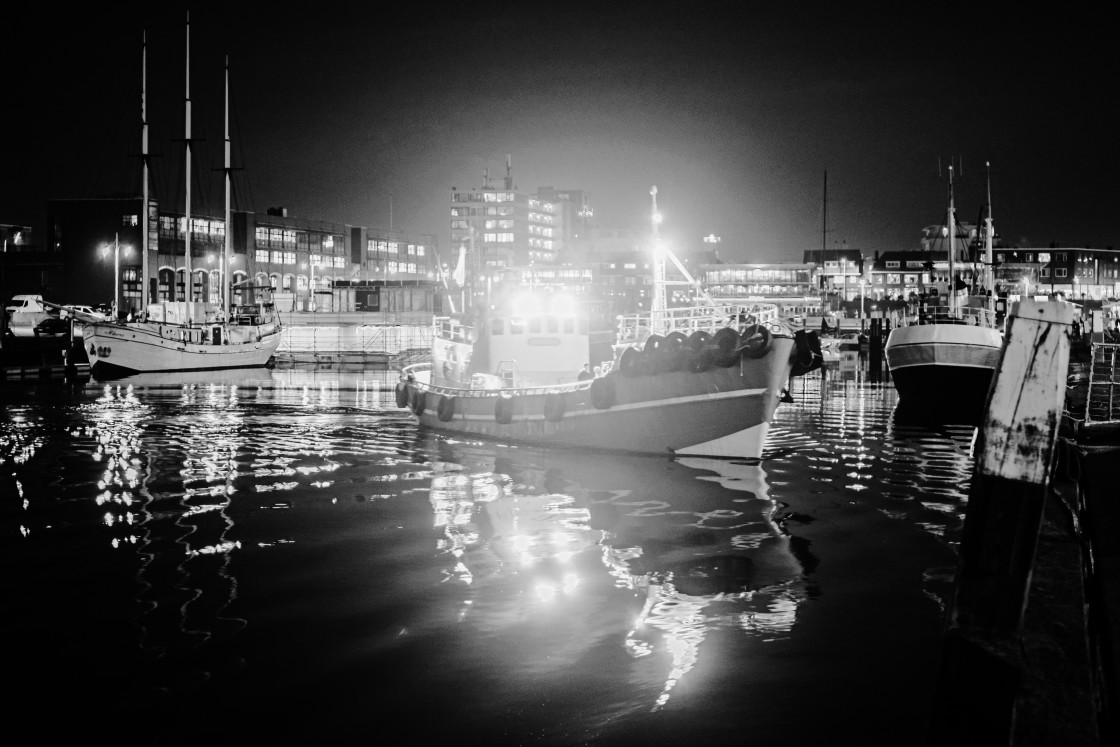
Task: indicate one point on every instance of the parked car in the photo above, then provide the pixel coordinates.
(52, 326)
(89, 311)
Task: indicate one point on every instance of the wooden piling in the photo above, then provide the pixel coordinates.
(981, 667)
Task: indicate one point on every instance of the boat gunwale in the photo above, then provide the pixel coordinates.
(971, 316)
(408, 376)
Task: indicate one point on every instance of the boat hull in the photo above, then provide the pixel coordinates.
(721, 412)
(148, 347)
(943, 368)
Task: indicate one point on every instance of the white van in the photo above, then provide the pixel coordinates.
(24, 312)
(26, 304)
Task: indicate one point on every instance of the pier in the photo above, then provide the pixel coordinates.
(43, 359)
(1031, 638)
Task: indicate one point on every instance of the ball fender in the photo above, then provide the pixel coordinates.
(756, 341)
(445, 408)
(699, 340)
(416, 401)
(554, 406)
(727, 347)
(503, 409)
(402, 394)
(807, 355)
(602, 393)
(700, 361)
(630, 362)
(672, 353)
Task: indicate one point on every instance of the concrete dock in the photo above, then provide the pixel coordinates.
(1048, 676)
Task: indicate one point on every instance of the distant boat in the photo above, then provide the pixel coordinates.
(702, 381)
(184, 335)
(943, 360)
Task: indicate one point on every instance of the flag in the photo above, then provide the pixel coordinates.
(460, 275)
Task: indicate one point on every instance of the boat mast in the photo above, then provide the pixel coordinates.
(989, 274)
(824, 227)
(188, 289)
(144, 269)
(952, 226)
(229, 229)
(658, 305)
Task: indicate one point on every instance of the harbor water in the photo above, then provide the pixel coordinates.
(285, 557)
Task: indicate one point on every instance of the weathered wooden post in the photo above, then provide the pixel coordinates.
(980, 669)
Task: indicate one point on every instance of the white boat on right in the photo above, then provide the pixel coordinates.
(942, 360)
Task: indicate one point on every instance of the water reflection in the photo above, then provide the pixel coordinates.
(292, 537)
(525, 526)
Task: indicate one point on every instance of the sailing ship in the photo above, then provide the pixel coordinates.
(704, 380)
(184, 335)
(942, 361)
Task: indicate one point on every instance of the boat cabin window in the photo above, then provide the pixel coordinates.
(569, 325)
(517, 326)
(535, 325)
(552, 324)
(498, 327)
(583, 327)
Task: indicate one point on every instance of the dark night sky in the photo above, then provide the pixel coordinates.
(734, 113)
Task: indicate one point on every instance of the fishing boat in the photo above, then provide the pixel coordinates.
(185, 335)
(942, 360)
(703, 380)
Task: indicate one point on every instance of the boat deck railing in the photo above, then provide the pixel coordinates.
(447, 328)
(634, 328)
(976, 316)
(1102, 405)
(410, 372)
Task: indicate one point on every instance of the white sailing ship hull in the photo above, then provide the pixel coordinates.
(146, 347)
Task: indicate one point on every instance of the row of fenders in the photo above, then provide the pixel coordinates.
(697, 353)
(700, 351)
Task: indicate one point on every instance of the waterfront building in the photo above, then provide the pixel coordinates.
(836, 272)
(792, 286)
(501, 226)
(574, 214)
(1077, 273)
(308, 264)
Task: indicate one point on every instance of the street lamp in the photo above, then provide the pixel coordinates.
(209, 279)
(311, 287)
(116, 267)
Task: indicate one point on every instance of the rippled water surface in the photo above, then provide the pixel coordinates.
(283, 556)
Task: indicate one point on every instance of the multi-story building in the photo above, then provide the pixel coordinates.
(504, 227)
(1074, 273)
(296, 258)
(574, 215)
(1078, 273)
(792, 286)
(836, 272)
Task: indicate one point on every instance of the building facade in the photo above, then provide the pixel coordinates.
(98, 250)
(504, 227)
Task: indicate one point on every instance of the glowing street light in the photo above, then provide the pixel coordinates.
(116, 267)
(311, 286)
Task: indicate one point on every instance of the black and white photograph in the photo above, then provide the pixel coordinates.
(560, 374)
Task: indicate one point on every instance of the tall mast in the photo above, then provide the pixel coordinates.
(658, 304)
(188, 284)
(989, 273)
(144, 269)
(824, 224)
(229, 228)
(952, 225)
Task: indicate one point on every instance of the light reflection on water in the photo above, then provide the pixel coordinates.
(290, 536)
